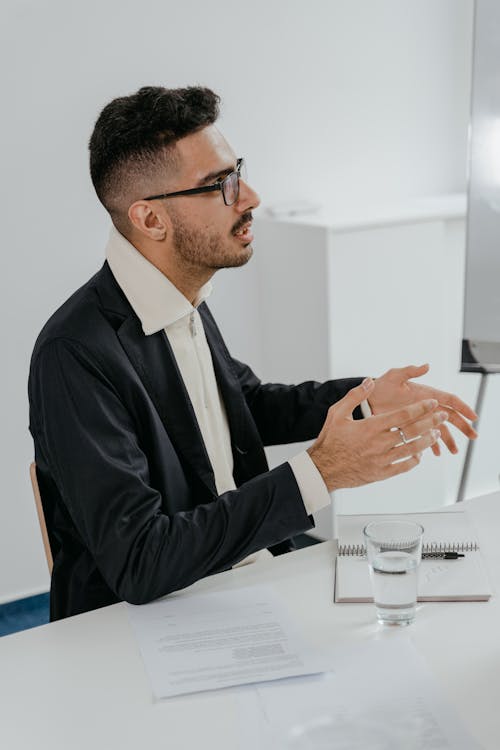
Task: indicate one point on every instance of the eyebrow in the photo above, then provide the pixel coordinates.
(212, 176)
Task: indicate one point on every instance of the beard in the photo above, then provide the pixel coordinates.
(205, 248)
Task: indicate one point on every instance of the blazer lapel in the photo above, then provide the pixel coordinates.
(153, 359)
(241, 424)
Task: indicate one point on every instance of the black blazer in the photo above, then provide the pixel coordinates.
(127, 487)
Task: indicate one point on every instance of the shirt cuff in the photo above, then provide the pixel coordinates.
(365, 409)
(311, 485)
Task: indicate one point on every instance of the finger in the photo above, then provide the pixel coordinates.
(405, 415)
(447, 439)
(461, 424)
(400, 468)
(420, 426)
(450, 401)
(436, 449)
(411, 449)
(414, 429)
(353, 398)
(414, 371)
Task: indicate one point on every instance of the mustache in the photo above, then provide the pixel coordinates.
(241, 222)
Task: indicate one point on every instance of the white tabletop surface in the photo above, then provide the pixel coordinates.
(80, 683)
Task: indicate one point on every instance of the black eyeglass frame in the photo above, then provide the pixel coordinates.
(209, 188)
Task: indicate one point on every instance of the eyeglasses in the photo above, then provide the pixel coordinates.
(229, 186)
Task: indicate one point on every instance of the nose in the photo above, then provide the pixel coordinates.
(248, 199)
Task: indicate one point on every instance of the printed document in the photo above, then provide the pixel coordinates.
(200, 642)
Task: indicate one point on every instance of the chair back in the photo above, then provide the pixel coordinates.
(41, 516)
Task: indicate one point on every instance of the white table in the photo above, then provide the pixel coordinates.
(80, 683)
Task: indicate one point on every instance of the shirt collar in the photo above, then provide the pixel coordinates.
(155, 300)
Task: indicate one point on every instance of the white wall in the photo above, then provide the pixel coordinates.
(330, 100)
(372, 291)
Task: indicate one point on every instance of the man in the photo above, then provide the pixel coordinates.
(148, 434)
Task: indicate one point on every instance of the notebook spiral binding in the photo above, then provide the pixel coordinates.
(432, 548)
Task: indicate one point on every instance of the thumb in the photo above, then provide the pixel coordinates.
(354, 397)
(414, 371)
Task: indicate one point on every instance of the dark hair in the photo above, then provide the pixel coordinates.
(133, 134)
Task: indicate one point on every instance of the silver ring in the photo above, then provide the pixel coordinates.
(403, 436)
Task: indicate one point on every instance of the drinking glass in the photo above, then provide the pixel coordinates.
(394, 552)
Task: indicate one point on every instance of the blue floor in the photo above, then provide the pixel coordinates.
(24, 613)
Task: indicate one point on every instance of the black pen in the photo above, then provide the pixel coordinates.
(442, 555)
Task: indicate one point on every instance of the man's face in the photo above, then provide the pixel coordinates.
(205, 232)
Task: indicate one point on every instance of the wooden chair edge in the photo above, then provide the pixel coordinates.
(41, 516)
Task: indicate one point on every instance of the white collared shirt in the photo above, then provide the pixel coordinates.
(160, 305)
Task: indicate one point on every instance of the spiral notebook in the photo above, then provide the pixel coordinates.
(463, 579)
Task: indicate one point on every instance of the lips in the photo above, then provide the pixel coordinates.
(243, 230)
(244, 234)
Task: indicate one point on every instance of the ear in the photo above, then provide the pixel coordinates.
(147, 220)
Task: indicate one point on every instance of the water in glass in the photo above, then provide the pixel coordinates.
(394, 582)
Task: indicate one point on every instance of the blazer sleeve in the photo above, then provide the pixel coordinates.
(91, 445)
(291, 413)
